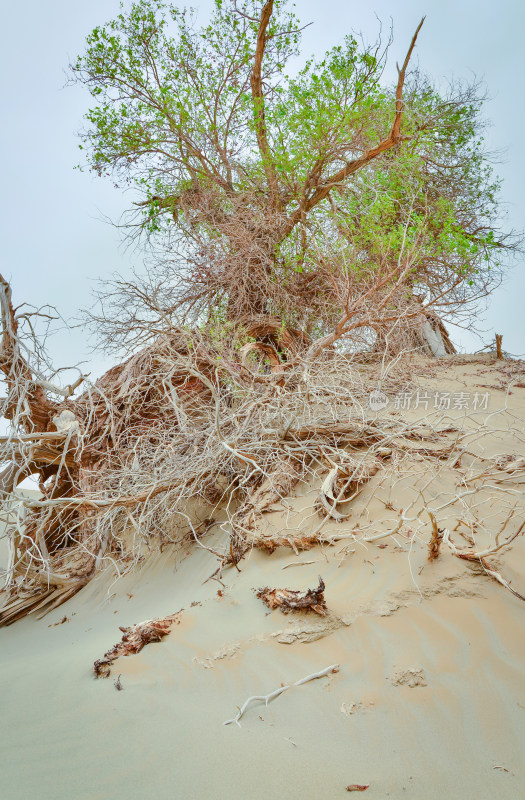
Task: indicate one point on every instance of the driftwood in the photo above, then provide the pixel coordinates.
(293, 600)
(296, 543)
(134, 639)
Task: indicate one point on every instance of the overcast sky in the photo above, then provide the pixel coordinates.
(55, 243)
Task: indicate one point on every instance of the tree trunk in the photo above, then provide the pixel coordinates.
(432, 339)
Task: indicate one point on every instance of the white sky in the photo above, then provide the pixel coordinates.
(55, 242)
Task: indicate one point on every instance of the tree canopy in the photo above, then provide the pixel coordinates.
(270, 190)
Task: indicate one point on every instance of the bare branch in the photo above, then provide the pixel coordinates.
(322, 191)
(258, 105)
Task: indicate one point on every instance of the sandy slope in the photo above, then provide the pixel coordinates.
(429, 701)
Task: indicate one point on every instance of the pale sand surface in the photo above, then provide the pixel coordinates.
(394, 619)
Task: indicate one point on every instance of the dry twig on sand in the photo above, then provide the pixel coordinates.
(267, 697)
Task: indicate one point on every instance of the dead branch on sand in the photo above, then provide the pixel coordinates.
(293, 600)
(135, 638)
(267, 697)
(480, 557)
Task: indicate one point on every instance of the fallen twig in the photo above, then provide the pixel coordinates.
(267, 697)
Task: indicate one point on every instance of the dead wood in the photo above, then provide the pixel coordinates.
(135, 638)
(479, 558)
(490, 571)
(294, 600)
(294, 542)
(181, 429)
(266, 698)
(435, 540)
(438, 326)
(343, 484)
(22, 385)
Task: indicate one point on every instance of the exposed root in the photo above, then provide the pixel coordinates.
(39, 600)
(197, 427)
(480, 558)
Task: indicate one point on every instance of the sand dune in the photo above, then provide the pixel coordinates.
(429, 701)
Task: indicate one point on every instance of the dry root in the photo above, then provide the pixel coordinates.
(490, 571)
(192, 427)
